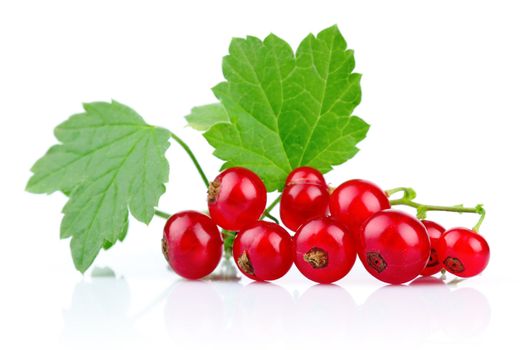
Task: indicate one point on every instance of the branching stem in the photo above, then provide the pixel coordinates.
(269, 209)
(408, 199)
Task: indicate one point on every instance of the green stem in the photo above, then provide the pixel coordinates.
(408, 199)
(481, 213)
(193, 158)
(269, 209)
(428, 207)
(162, 214)
(273, 204)
(271, 217)
(408, 193)
(228, 237)
(229, 233)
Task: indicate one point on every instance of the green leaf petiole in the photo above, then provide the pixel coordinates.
(161, 214)
(190, 153)
(192, 157)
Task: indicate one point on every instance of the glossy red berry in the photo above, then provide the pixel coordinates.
(236, 199)
(192, 244)
(263, 251)
(324, 250)
(305, 196)
(305, 175)
(394, 246)
(465, 252)
(301, 203)
(435, 231)
(354, 201)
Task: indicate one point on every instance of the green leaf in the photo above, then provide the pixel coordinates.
(108, 244)
(110, 162)
(288, 110)
(204, 117)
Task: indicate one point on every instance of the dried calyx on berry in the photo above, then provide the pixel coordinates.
(316, 257)
(213, 190)
(244, 264)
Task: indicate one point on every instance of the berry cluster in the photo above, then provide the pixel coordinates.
(331, 229)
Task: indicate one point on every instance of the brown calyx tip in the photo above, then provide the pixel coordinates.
(453, 265)
(433, 259)
(376, 261)
(213, 190)
(316, 257)
(245, 264)
(165, 248)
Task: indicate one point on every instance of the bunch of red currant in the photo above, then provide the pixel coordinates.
(331, 229)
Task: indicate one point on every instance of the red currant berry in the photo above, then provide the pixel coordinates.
(324, 250)
(236, 199)
(394, 246)
(435, 231)
(354, 201)
(303, 202)
(191, 244)
(305, 175)
(263, 251)
(465, 252)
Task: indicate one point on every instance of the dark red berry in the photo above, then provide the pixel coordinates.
(435, 231)
(303, 202)
(236, 199)
(324, 250)
(191, 244)
(394, 246)
(305, 175)
(465, 252)
(354, 201)
(263, 251)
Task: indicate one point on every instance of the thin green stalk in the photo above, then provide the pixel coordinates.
(408, 199)
(273, 204)
(271, 217)
(408, 193)
(193, 158)
(228, 237)
(428, 207)
(269, 209)
(162, 214)
(481, 213)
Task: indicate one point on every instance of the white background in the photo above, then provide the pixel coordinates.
(443, 88)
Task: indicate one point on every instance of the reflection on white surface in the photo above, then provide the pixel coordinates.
(194, 309)
(262, 308)
(203, 313)
(425, 309)
(323, 314)
(99, 311)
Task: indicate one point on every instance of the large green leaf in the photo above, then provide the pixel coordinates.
(286, 110)
(109, 162)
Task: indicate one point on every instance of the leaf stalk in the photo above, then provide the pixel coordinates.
(192, 157)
